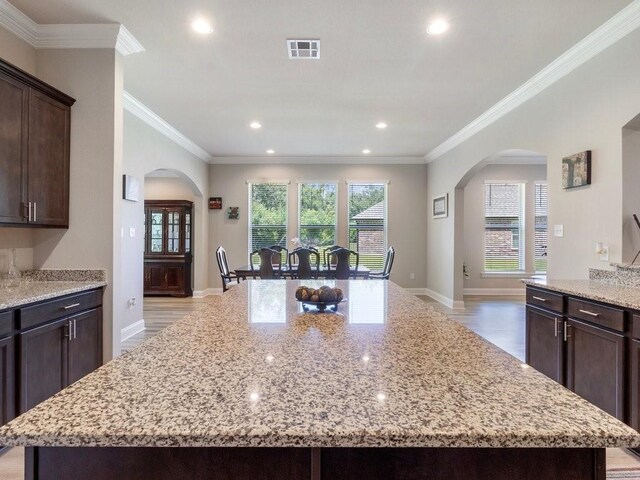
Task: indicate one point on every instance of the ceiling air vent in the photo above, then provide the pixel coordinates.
(304, 49)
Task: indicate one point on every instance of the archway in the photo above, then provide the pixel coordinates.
(630, 190)
(512, 167)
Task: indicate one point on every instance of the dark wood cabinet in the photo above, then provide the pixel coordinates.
(544, 348)
(85, 344)
(7, 380)
(634, 384)
(35, 121)
(168, 247)
(595, 366)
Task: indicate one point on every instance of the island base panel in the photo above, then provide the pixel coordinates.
(140, 463)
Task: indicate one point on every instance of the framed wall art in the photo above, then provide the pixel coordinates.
(233, 213)
(130, 188)
(576, 170)
(440, 207)
(215, 203)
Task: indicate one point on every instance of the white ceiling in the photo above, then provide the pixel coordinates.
(377, 64)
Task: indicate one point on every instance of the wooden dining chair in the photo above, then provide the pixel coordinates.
(280, 251)
(388, 263)
(270, 264)
(225, 274)
(342, 269)
(302, 257)
(326, 254)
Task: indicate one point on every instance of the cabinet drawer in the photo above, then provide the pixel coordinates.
(608, 317)
(545, 299)
(60, 307)
(6, 323)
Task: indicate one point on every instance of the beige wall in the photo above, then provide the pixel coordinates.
(90, 77)
(474, 198)
(631, 192)
(165, 188)
(146, 150)
(407, 209)
(584, 110)
(22, 55)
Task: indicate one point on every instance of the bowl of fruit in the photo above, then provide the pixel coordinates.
(319, 300)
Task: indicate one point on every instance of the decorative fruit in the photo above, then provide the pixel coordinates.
(315, 298)
(302, 293)
(339, 294)
(326, 294)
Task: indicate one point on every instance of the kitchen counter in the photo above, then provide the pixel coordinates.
(31, 291)
(252, 370)
(623, 296)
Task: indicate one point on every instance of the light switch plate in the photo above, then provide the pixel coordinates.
(558, 230)
(132, 232)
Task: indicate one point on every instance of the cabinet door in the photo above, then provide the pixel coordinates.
(156, 231)
(634, 384)
(156, 276)
(174, 276)
(595, 366)
(14, 99)
(85, 344)
(7, 381)
(544, 349)
(49, 123)
(174, 231)
(43, 363)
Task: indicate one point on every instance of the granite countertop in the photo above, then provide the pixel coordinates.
(38, 285)
(628, 297)
(251, 369)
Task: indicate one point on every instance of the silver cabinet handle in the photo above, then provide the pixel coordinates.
(555, 326)
(70, 331)
(587, 312)
(35, 211)
(566, 331)
(73, 305)
(29, 212)
(539, 299)
(75, 328)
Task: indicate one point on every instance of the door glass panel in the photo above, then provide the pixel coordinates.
(156, 231)
(187, 233)
(173, 241)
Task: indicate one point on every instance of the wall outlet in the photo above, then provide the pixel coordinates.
(132, 232)
(412, 276)
(558, 230)
(132, 303)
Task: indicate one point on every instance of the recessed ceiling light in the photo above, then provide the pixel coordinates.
(381, 125)
(271, 151)
(366, 151)
(255, 125)
(438, 27)
(200, 25)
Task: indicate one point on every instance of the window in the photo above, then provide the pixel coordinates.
(318, 214)
(267, 215)
(368, 222)
(540, 243)
(504, 227)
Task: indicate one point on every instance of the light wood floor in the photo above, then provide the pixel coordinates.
(498, 319)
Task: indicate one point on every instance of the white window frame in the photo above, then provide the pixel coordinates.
(540, 182)
(250, 184)
(319, 182)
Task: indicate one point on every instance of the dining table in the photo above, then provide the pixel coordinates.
(289, 271)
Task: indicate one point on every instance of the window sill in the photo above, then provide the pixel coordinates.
(521, 274)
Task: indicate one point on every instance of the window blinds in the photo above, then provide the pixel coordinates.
(318, 216)
(541, 208)
(368, 222)
(267, 215)
(504, 227)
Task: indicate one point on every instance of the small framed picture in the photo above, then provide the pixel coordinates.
(576, 170)
(215, 203)
(233, 213)
(441, 206)
(130, 188)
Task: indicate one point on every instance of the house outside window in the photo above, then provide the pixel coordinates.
(367, 207)
(504, 248)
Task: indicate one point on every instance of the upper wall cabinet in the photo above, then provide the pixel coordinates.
(35, 121)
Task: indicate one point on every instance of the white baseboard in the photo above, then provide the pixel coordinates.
(447, 302)
(416, 291)
(207, 292)
(131, 330)
(495, 291)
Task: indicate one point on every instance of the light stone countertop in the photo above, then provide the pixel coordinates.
(628, 297)
(250, 369)
(36, 291)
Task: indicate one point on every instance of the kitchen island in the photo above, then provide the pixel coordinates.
(251, 387)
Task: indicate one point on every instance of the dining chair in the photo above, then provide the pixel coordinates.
(388, 263)
(225, 274)
(280, 250)
(303, 256)
(268, 269)
(343, 270)
(326, 254)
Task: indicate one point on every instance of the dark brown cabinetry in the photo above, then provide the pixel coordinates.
(7, 380)
(544, 348)
(168, 247)
(35, 121)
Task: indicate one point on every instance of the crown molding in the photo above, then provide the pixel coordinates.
(105, 35)
(144, 113)
(313, 160)
(616, 28)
